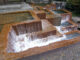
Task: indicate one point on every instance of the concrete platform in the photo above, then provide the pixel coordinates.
(71, 52)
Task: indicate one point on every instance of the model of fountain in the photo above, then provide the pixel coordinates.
(28, 35)
(24, 36)
(44, 32)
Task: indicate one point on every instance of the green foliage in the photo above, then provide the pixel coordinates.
(74, 2)
(75, 14)
(73, 5)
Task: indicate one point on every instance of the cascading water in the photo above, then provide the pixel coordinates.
(23, 42)
(20, 37)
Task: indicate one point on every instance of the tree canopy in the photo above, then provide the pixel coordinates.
(74, 2)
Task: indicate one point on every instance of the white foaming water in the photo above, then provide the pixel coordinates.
(59, 29)
(23, 43)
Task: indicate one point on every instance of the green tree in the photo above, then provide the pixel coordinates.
(74, 2)
(74, 5)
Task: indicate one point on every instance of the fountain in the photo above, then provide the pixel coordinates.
(35, 32)
(22, 36)
(59, 4)
(66, 15)
(48, 15)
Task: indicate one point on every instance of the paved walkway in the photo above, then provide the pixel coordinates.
(76, 19)
(71, 52)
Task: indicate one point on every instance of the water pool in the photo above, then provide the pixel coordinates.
(71, 36)
(59, 11)
(65, 24)
(47, 12)
(15, 17)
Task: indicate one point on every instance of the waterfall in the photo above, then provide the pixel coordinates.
(23, 42)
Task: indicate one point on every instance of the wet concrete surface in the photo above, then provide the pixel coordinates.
(71, 52)
(15, 7)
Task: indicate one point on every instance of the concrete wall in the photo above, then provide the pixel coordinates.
(28, 27)
(55, 21)
(1, 2)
